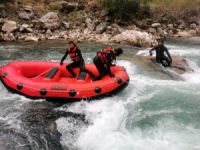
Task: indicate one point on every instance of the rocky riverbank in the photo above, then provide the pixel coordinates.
(91, 24)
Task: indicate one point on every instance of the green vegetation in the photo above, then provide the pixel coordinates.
(175, 9)
(54, 6)
(123, 9)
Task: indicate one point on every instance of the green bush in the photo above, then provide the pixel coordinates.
(124, 8)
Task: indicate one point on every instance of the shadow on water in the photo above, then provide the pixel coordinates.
(38, 129)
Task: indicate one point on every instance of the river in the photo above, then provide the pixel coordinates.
(157, 110)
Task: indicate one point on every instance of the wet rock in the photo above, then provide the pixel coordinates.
(134, 37)
(156, 25)
(9, 26)
(31, 38)
(68, 7)
(180, 65)
(25, 28)
(50, 21)
(101, 27)
(8, 37)
(26, 12)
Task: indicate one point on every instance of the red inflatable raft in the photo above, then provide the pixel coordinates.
(49, 80)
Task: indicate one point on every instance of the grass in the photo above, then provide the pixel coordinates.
(183, 9)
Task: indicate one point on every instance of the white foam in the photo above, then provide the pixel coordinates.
(192, 77)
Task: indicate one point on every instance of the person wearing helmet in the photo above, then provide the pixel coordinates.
(104, 60)
(161, 52)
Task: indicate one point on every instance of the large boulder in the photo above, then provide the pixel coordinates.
(101, 27)
(136, 38)
(180, 65)
(26, 12)
(9, 26)
(50, 21)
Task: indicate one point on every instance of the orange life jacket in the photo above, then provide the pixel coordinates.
(74, 54)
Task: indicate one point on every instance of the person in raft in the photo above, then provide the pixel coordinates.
(104, 60)
(160, 49)
(76, 58)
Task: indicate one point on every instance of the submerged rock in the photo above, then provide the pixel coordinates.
(9, 26)
(179, 64)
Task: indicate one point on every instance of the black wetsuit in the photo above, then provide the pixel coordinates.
(79, 63)
(104, 67)
(160, 55)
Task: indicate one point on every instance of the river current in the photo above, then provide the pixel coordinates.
(157, 110)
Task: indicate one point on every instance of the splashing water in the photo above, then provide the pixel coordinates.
(152, 113)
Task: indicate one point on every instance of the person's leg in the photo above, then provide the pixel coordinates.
(165, 62)
(70, 68)
(100, 67)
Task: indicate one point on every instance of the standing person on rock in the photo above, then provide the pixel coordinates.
(161, 57)
(104, 60)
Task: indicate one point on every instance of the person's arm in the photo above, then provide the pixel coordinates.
(168, 54)
(64, 57)
(151, 50)
(79, 53)
(108, 65)
(81, 57)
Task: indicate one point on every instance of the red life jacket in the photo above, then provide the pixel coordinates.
(111, 51)
(108, 49)
(102, 56)
(74, 54)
